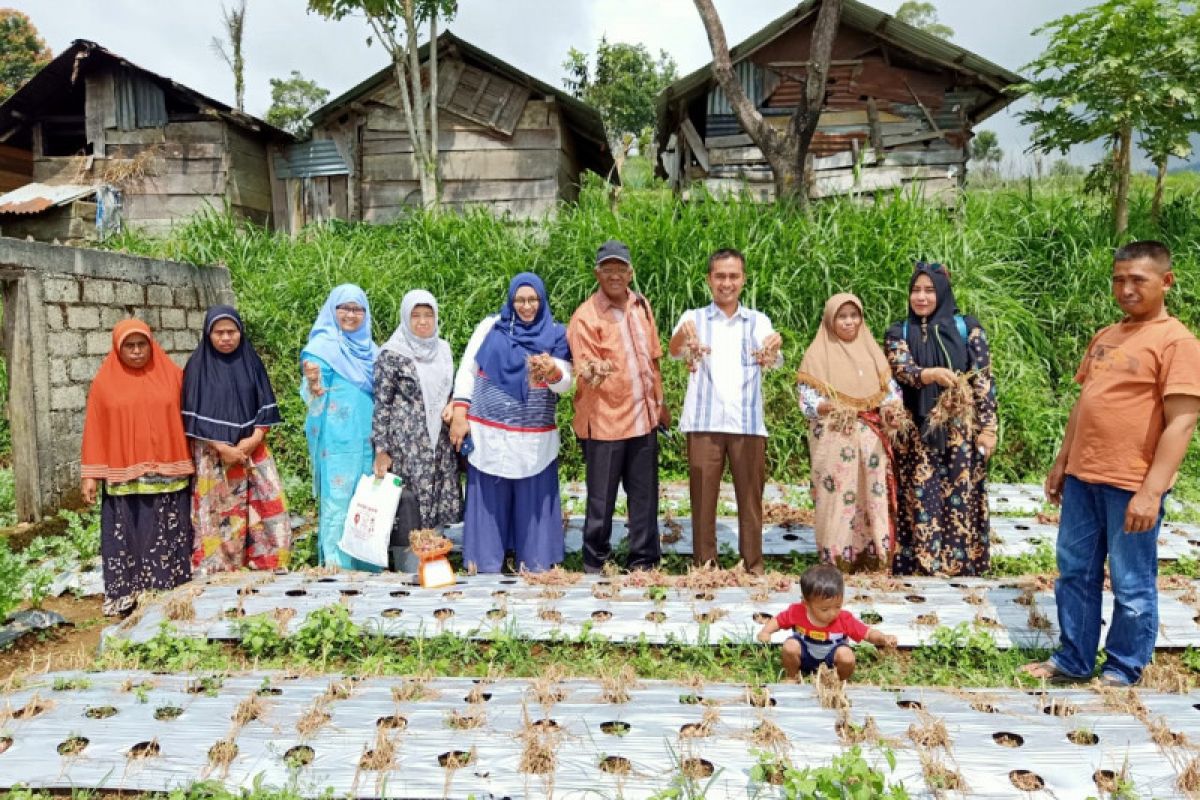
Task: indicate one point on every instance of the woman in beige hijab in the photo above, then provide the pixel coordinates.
(847, 393)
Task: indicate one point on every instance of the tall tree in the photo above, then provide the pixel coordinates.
(623, 86)
(1109, 72)
(22, 51)
(292, 99)
(785, 150)
(923, 15)
(234, 21)
(985, 149)
(395, 24)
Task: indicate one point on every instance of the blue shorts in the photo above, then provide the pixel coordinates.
(809, 663)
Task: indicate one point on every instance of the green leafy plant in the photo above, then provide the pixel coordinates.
(260, 637)
(848, 777)
(328, 633)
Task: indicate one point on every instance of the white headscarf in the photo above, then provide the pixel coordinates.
(430, 356)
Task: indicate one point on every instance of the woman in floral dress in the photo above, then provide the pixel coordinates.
(942, 524)
(238, 513)
(847, 392)
(414, 375)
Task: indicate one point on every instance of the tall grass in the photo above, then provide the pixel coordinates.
(1032, 263)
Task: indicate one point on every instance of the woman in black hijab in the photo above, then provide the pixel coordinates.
(238, 511)
(942, 522)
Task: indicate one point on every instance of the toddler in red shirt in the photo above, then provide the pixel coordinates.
(821, 629)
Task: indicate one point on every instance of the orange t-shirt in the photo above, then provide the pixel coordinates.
(1128, 370)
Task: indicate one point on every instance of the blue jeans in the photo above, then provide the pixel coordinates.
(1092, 527)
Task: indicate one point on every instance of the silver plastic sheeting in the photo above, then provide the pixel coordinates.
(487, 606)
(1066, 739)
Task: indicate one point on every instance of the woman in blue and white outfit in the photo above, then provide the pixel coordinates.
(515, 366)
(339, 385)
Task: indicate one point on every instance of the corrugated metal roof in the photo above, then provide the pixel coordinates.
(310, 160)
(33, 198)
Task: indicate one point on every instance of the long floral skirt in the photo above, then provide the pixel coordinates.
(238, 513)
(854, 494)
(145, 545)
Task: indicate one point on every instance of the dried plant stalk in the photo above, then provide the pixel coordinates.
(830, 689)
(956, 407)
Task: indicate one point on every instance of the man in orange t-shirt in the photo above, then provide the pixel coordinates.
(1126, 437)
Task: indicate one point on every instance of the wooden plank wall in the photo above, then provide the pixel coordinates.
(885, 126)
(16, 168)
(523, 175)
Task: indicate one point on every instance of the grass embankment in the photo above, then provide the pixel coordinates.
(1032, 263)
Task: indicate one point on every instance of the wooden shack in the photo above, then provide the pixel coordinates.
(508, 143)
(157, 150)
(900, 109)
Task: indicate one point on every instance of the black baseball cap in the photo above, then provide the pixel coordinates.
(613, 249)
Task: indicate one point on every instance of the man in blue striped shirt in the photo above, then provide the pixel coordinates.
(727, 347)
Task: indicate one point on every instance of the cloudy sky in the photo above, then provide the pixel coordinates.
(175, 39)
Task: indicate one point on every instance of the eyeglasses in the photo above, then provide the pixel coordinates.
(352, 310)
(527, 301)
(609, 272)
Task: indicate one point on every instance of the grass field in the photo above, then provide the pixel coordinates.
(1030, 260)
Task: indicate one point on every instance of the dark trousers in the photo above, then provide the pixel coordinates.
(707, 455)
(633, 463)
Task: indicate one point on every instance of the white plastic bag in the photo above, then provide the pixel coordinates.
(368, 529)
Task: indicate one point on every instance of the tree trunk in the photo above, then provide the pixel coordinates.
(427, 167)
(807, 116)
(786, 152)
(1122, 166)
(1159, 184)
(433, 110)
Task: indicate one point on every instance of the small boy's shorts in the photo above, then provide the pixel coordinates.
(809, 663)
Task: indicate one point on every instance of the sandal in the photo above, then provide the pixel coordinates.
(1048, 671)
(1111, 680)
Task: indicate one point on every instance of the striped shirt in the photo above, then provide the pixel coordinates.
(511, 439)
(724, 394)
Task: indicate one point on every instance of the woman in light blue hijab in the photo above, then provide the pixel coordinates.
(338, 365)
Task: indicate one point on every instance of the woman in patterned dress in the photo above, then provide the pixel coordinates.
(942, 524)
(238, 512)
(847, 392)
(413, 378)
(338, 364)
(135, 454)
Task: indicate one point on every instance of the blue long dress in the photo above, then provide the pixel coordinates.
(338, 429)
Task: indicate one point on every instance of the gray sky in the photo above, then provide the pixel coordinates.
(175, 38)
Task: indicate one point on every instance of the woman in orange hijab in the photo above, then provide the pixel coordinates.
(134, 449)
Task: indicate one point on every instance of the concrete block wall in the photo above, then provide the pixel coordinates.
(60, 306)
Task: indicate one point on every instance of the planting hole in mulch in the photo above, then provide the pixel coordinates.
(694, 730)
(984, 708)
(911, 705)
(914, 598)
(762, 617)
(602, 616)
(443, 614)
(234, 613)
(927, 619)
(299, 756)
(1026, 781)
(29, 711)
(5, 743)
(296, 592)
(691, 699)
(398, 593)
(453, 594)
(455, 759)
(508, 582)
(550, 615)
(100, 712)
(790, 537)
(1058, 708)
(167, 713)
(477, 697)
(222, 753)
(496, 613)
(546, 724)
(871, 617)
(392, 723)
(614, 728)
(1005, 739)
(349, 592)
(269, 691)
(327, 579)
(656, 616)
(1105, 780)
(706, 596)
(392, 613)
(145, 750)
(72, 746)
(696, 768)
(616, 765)
(499, 593)
(246, 591)
(1082, 737)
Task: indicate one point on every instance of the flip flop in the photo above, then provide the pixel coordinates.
(1051, 673)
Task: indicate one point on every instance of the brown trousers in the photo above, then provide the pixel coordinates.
(747, 455)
